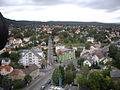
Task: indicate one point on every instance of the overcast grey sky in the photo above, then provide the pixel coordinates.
(62, 10)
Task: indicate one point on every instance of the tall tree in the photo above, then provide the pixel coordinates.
(112, 51)
(80, 61)
(57, 74)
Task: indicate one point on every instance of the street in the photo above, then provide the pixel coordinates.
(47, 74)
(41, 80)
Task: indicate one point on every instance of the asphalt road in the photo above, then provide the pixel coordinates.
(50, 51)
(41, 80)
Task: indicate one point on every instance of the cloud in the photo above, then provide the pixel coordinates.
(108, 5)
(66, 10)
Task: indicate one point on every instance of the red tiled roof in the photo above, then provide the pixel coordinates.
(17, 39)
(15, 72)
(11, 38)
(8, 68)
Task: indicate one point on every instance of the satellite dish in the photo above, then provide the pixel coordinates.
(3, 32)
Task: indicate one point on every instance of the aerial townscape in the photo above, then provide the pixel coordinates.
(59, 44)
(61, 56)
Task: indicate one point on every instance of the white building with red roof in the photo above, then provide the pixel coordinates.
(5, 70)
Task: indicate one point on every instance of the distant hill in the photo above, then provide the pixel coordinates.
(9, 21)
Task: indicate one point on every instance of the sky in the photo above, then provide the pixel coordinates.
(107, 11)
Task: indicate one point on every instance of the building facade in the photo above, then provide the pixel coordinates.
(64, 55)
(30, 57)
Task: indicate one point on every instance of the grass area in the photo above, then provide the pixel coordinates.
(104, 44)
(75, 44)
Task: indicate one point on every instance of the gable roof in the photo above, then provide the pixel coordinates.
(30, 69)
(7, 68)
(99, 54)
(15, 72)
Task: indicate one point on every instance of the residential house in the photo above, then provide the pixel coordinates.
(90, 39)
(17, 74)
(59, 46)
(30, 57)
(43, 43)
(77, 31)
(95, 46)
(88, 63)
(13, 41)
(26, 39)
(5, 70)
(65, 54)
(80, 48)
(4, 61)
(56, 39)
(95, 57)
(17, 41)
(33, 71)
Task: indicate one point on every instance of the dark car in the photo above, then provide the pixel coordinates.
(49, 81)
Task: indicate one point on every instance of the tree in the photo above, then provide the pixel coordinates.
(69, 77)
(14, 57)
(116, 61)
(80, 61)
(5, 55)
(77, 53)
(81, 80)
(28, 79)
(112, 51)
(87, 45)
(98, 81)
(70, 66)
(6, 83)
(57, 74)
(18, 84)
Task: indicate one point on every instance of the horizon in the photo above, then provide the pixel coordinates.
(62, 10)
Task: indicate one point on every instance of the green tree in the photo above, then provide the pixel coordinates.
(57, 74)
(87, 45)
(80, 61)
(81, 80)
(116, 61)
(5, 55)
(28, 79)
(17, 84)
(98, 81)
(5, 82)
(112, 51)
(14, 57)
(77, 53)
(70, 66)
(69, 77)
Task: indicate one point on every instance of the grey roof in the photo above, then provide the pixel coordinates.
(115, 74)
(70, 87)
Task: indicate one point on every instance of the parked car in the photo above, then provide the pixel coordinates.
(42, 87)
(49, 81)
